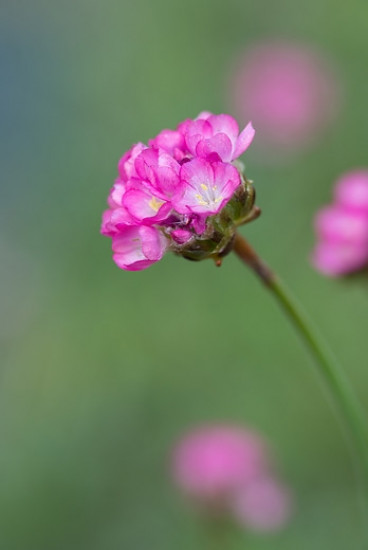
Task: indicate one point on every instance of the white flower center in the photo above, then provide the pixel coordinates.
(208, 196)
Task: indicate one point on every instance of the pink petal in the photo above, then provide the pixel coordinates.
(219, 144)
(138, 247)
(160, 169)
(106, 227)
(197, 171)
(144, 163)
(226, 177)
(144, 206)
(126, 163)
(181, 236)
(224, 124)
(196, 131)
(115, 198)
(244, 140)
(154, 243)
(168, 140)
(199, 223)
(204, 115)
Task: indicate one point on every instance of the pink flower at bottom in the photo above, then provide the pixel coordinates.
(211, 462)
(138, 247)
(264, 504)
(229, 472)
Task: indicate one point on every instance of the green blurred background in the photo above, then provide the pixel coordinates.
(102, 370)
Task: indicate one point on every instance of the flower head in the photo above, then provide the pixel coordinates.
(228, 471)
(342, 228)
(185, 192)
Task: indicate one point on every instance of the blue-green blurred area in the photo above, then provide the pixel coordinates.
(102, 370)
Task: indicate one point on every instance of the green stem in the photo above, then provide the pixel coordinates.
(352, 413)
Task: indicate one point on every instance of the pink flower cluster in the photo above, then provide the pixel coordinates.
(227, 470)
(342, 228)
(167, 191)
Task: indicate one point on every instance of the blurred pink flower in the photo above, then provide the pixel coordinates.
(351, 191)
(211, 462)
(228, 469)
(264, 504)
(290, 91)
(342, 228)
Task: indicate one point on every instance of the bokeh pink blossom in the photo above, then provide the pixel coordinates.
(290, 91)
(229, 470)
(342, 228)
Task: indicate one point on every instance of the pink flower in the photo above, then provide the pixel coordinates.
(205, 188)
(211, 462)
(138, 247)
(337, 224)
(290, 91)
(168, 196)
(216, 137)
(342, 229)
(351, 191)
(263, 505)
(228, 470)
(339, 259)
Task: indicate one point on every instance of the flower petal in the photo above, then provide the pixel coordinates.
(144, 206)
(219, 147)
(126, 164)
(244, 140)
(224, 124)
(138, 247)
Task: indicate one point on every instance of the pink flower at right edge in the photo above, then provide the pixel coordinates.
(229, 469)
(342, 228)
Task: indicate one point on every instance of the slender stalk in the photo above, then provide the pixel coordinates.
(344, 397)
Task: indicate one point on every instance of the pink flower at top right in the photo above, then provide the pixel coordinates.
(291, 92)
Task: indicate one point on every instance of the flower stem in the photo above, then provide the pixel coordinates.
(344, 396)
